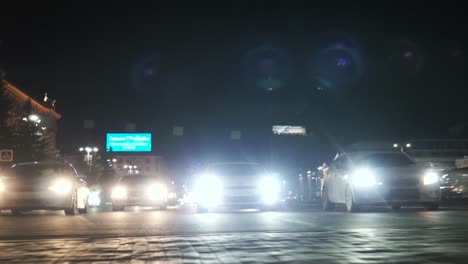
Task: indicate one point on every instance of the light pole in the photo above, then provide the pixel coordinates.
(89, 158)
(131, 169)
(402, 146)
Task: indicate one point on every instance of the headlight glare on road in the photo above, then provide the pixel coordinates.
(269, 190)
(61, 186)
(119, 192)
(208, 191)
(364, 178)
(430, 178)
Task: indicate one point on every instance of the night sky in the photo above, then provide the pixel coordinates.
(348, 74)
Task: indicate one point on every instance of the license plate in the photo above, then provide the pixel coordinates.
(240, 192)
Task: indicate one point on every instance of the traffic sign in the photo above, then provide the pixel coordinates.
(6, 155)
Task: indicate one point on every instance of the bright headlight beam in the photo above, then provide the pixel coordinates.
(208, 191)
(430, 178)
(363, 178)
(157, 191)
(119, 192)
(269, 189)
(94, 199)
(61, 186)
(2, 186)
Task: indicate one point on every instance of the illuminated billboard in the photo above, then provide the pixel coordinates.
(289, 130)
(128, 142)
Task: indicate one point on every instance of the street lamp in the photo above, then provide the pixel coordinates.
(89, 158)
(402, 146)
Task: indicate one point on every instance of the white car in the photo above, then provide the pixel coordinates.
(43, 186)
(139, 190)
(236, 184)
(379, 178)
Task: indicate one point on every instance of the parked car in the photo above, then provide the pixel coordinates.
(46, 186)
(454, 184)
(379, 178)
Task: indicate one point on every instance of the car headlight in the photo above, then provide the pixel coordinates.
(119, 192)
(172, 196)
(363, 178)
(61, 186)
(2, 186)
(269, 190)
(430, 178)
(208, 191)
(94, 198)
(157, 191)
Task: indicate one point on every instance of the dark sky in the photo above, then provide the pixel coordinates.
(355, 73)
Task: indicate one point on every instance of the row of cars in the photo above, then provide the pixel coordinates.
(54, 186)
(354, 179)
(219, 185)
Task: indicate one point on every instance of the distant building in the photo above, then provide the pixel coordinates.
(47, 117)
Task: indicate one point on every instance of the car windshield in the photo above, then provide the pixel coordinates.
(137, 179)
(34, 171)
(386, 160)
(237, 170)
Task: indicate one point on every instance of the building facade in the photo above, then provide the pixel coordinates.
(25, 108)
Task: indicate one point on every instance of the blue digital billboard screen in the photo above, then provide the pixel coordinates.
(128, 142)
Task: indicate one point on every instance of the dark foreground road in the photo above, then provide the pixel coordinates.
(146, 236)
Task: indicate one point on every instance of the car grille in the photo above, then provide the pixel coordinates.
(402, 194)
(241, 199)
(136, 194)
(403, 182)
(240, 188)
(25, 187)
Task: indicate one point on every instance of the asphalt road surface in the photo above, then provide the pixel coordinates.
(376, 235)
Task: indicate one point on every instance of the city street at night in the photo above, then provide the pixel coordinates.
(375, 235)
(233, 133)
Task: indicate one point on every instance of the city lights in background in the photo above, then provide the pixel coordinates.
(35, 119)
